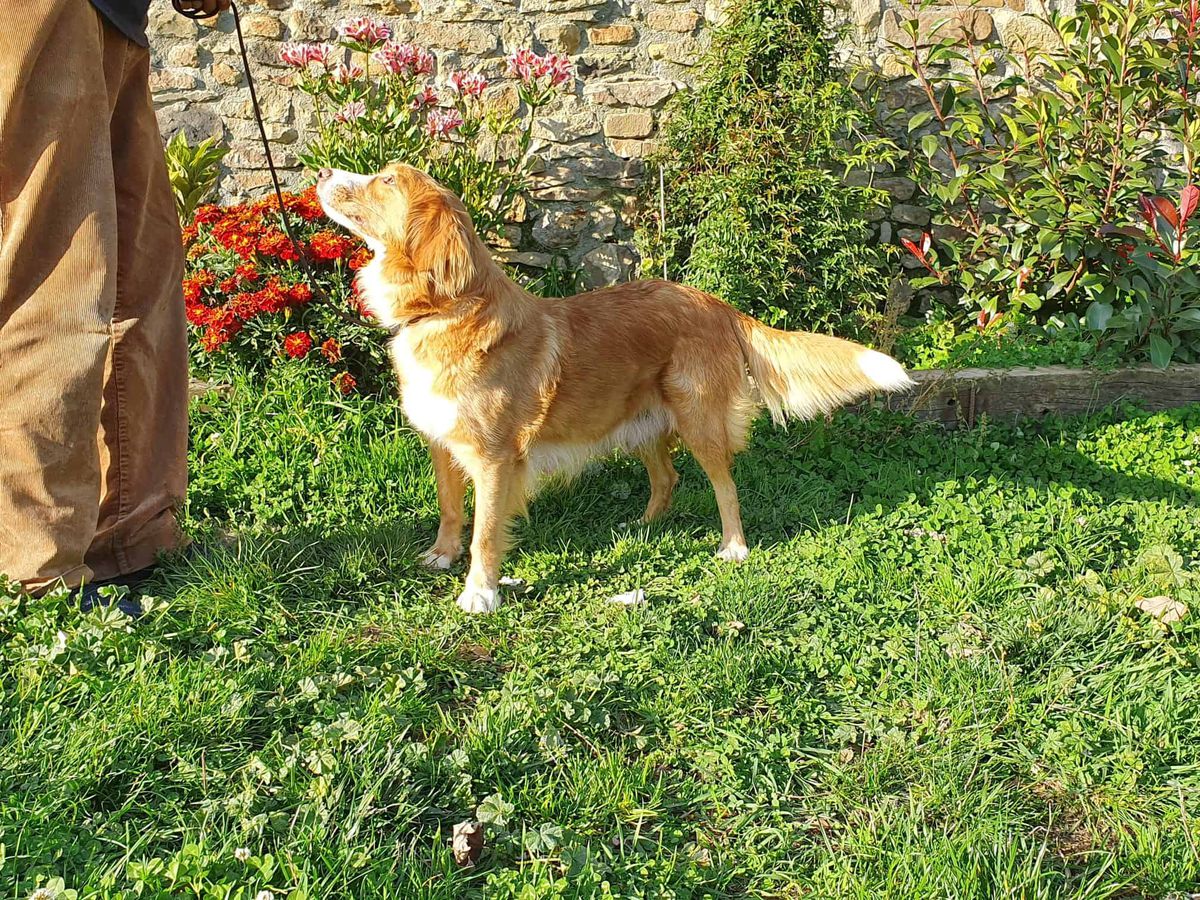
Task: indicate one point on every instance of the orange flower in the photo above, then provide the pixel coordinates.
(297, 344)
(325, 245)
(331, 349)
(344, 382)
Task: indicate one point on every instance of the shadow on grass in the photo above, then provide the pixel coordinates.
(794, 480)
(812, 475)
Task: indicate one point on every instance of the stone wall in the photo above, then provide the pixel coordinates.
(631, 56)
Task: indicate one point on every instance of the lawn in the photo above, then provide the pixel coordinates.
(929, 680)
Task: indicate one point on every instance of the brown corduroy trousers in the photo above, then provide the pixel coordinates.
(93, 352)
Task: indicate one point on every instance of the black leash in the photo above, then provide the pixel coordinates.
(197, 15)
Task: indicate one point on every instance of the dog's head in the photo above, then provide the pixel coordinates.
(421, 229)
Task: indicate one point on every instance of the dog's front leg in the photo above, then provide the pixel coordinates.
(496, 487)
(451, 488)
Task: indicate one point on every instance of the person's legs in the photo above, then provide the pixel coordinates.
(58, 282)
(143, 440)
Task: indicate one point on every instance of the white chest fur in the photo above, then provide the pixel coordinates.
(431, 413)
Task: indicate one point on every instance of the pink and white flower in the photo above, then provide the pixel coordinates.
(531, 68)
(442, 122)
(521, 63)
(425, 99)
(404, 60)
(365, 31)
(468, 84)
(344, 74)
(299, 55)
(355, 109)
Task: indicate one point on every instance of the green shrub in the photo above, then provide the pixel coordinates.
(1061, 179)
(194, 170)
(757, 212)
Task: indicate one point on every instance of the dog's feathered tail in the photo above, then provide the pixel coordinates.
(805, 375)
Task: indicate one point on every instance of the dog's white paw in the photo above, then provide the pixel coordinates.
(478, 600)
(438, 559)
(734, 551)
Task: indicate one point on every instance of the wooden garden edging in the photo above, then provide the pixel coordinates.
(962, 397)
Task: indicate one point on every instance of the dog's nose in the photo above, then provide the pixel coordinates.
(323, 174)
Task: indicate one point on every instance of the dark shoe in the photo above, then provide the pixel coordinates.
(90, 597)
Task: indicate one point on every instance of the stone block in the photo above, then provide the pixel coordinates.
(262, 25)
(682, 52)
(607, 264)
(683, 21)
(938, 24)
(612, 34)
(630, 91)
(632, 149)
(629, 125)
(1028, 33)
(563, 37)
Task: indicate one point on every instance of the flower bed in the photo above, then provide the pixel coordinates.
(250, 300)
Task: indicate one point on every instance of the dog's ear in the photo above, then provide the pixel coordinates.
(438, 243)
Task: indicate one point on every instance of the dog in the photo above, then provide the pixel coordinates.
(507, 387)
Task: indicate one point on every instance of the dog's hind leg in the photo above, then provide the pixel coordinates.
(499, 494)
(451, 489)
(716, 461)
(657, 457)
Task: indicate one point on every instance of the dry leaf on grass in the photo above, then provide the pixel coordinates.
(467, 843)
(1163, 608)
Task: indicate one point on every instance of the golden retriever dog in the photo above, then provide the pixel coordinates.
(507, 387)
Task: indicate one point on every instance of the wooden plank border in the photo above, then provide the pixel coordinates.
(962, 398)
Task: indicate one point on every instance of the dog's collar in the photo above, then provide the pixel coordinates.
(394, 329)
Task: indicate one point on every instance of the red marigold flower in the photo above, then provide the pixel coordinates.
(331, 349)
(194, 285)
(245, 305)
(297, 344)
(305, 204)
(273, 297)
(344, 382)
(276, 244)
(222, 326)
(207, 214)
(300, 293)
(228, 285)
(325, 245)
(189, 235)
(360, 258)
(197, 314)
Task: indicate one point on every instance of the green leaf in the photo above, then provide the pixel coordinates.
(1098, 316)
(929, 145)
(494, 810)
(919, 119)
(1161, 351)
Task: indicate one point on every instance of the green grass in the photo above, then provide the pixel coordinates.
(929, 680)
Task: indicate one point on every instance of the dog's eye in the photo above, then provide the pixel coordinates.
(388, 179)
